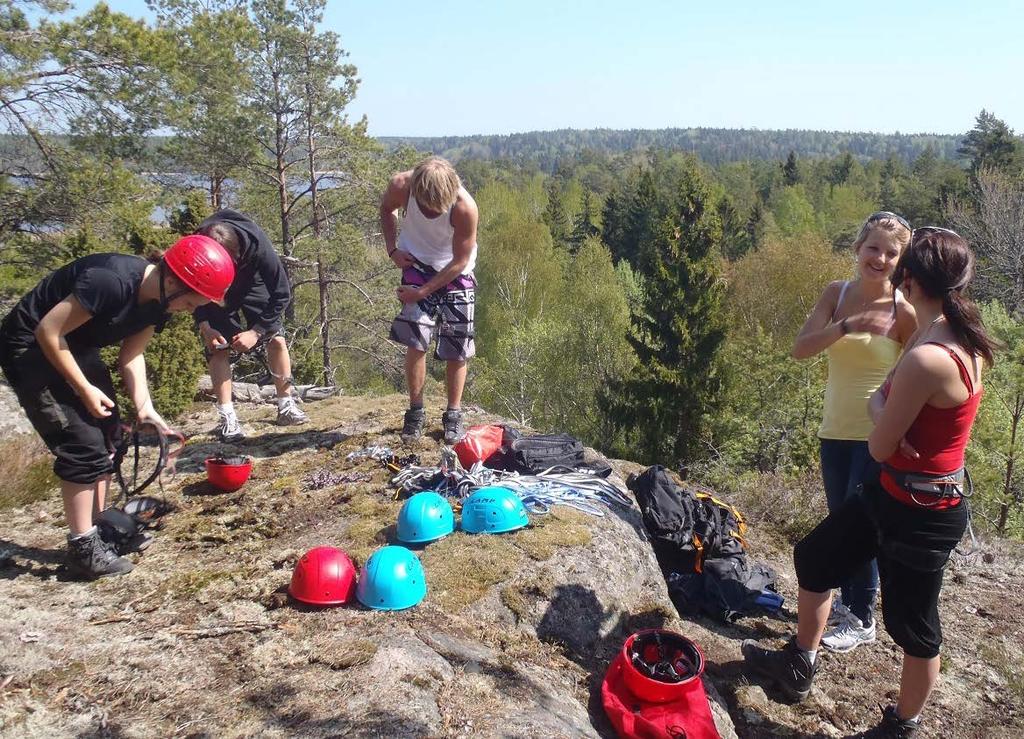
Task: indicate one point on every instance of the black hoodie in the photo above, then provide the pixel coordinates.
(258, 272)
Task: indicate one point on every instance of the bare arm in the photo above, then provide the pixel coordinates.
(61, 320)
(395, 197)
(132, 365)
(818, 332)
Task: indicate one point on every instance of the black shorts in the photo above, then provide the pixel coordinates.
(228, 322)
(82, 444)
(912, 545)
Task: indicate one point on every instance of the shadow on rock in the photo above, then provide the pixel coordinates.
(41, 563)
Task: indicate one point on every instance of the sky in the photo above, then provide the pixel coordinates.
(503, 66)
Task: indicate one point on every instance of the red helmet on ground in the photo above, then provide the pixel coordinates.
(228, 474)
(324, 576)
(660, 665)
(202, 264)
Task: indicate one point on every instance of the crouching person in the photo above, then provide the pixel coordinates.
(49, 352)
(912, 513)
(436, 251)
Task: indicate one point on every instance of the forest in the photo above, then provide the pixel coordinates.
(638, 289)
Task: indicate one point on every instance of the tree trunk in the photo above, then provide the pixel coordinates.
(1004, 509)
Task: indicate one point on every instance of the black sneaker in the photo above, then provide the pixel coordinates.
(451, 422)
(891, 725)
(789, 668)
(89, 557)
(412, 428)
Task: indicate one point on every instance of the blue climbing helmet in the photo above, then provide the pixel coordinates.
(493, 510)
(425, 517)
(391, 579)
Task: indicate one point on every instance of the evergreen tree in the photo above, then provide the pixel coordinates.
(735, 238)
(641, 214)
(583, 227)
(888, 192)
(790, 171)
(668, 400)
(554, 214)
(755, 227)
(991, 143)
(613, 219)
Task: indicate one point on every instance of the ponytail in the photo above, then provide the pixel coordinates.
(964, 320)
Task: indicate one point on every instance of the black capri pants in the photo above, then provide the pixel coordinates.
(82, 444)
(912, 545)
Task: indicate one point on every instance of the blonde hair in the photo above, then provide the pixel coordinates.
(899, 232)
(435, 184)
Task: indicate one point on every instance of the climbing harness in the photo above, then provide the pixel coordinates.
(145, 448)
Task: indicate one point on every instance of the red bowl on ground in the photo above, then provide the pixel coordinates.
(227, 477)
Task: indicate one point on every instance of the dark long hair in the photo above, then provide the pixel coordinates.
(942, 265)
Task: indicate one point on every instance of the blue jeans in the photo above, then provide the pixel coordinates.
(844, 466)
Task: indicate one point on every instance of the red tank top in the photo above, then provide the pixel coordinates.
(940, 436)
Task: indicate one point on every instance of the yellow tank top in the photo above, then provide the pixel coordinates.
(857, 366)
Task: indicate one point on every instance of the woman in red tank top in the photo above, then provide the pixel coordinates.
(913, 515)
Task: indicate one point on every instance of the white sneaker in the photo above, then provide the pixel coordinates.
(289, 413)
(229, 429)
(839, 613)
(849, 634)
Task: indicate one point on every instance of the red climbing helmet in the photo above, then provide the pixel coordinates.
(659, 665)
(228, 474)
(202, 264)
(324, 576)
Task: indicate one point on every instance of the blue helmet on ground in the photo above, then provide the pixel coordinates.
(425, 517)
(493, 510)
(391, 579)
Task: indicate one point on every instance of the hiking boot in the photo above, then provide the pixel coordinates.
(891, 726)
(451, 422)
(229, 429)
(289, 413)
(789, 668)
(848, 634)
(89, 557)
(412, 428)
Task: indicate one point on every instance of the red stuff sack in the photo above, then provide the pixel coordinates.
(642, 708)
(479, 443)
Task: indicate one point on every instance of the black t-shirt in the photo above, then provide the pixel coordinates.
(107, 285)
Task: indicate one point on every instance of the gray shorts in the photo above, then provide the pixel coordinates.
(448, 310)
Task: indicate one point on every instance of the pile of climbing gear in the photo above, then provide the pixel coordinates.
(653, 687)
(698, 540)
(385, 455)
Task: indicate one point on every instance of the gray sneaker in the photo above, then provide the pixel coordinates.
(451, 421)
(412, 427)
(849, 634)
(289, 413)
(89, 557)
(229, 429)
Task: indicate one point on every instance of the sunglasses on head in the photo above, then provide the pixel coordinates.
(885, 215)
(925, 230)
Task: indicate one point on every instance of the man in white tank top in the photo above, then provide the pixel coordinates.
(436, 251)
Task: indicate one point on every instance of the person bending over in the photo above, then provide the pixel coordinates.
(436, 249)
(258, 296)
(50, 353)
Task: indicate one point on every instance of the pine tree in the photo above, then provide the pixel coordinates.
(888, 193)
(641, 214)
(790, 171)
(668, 400)
(554, 214)
(991, 143)
(756, 224)
(583, 226)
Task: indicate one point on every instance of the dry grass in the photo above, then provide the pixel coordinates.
(26, 473)
(563, 527)
(788, 506)
(461, 568)
(342, 654)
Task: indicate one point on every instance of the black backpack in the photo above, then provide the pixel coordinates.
(530, 455)
(686, 527)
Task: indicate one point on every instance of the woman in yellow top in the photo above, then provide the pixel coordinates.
(862, 326)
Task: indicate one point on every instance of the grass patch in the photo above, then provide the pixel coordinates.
(26, 473)
(189, 584)
(1007, 664)
(343, 655)
(517, 598)
(786, 504)
(461, 568)
(369, 518)
(563, 527)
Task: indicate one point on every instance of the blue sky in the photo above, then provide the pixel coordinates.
(497, 66)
